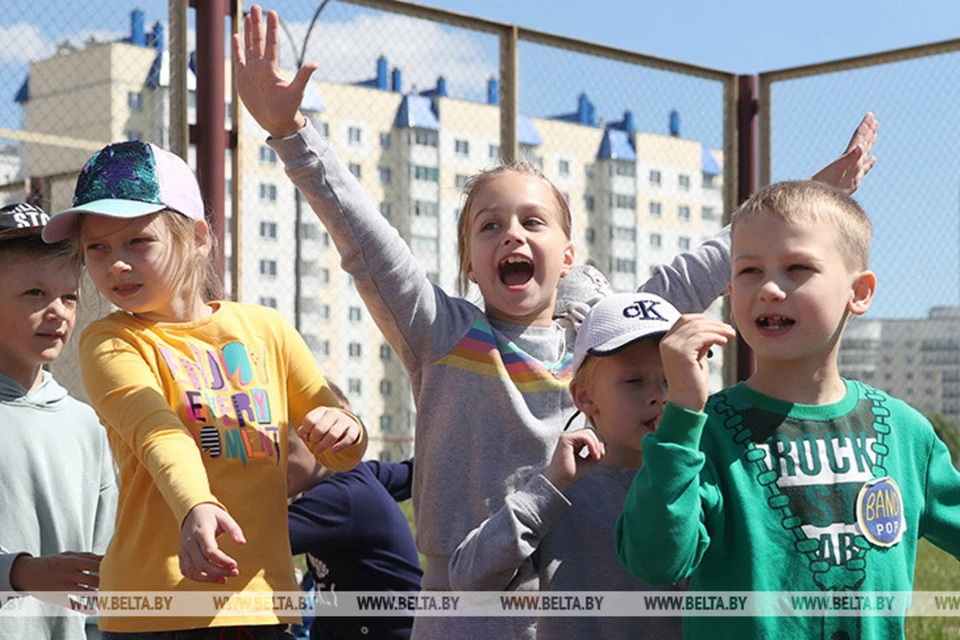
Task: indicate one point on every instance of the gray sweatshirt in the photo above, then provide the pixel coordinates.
(58, 491)
(566, 540)
(491, 398)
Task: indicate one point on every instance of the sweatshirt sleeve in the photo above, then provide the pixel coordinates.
(940, 521)
(7, 558)
(307, 389)
(322, 518)
(107, 501)
(124, 391)
(491, 555)
(417, 318)
(694, 279)
(661, 534)
(396, 477)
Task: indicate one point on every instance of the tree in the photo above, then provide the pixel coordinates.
(948, 430)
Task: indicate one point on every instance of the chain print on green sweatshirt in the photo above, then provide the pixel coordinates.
(851, 574)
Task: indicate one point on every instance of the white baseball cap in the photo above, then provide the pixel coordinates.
(620, 320)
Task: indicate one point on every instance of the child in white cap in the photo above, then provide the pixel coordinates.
(559, 522)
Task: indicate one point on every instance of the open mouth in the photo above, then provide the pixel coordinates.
(126, 289)
(515, 270)
(775, 323)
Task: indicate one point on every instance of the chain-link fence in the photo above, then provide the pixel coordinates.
(909, 342)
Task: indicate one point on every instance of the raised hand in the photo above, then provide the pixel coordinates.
(200, 557)
(847, 171)
(272, 101)
(684, 351)
(566, 468)
(328, 428)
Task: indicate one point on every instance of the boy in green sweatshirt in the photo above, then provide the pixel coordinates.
(796, 479)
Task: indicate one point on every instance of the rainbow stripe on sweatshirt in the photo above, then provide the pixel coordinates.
(479, 352)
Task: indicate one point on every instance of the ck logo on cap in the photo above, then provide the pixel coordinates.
(646, 309)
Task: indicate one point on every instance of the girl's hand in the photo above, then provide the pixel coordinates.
(328, 428)
(684, 351)
(272, 101)
(567, 467)
(200, 557)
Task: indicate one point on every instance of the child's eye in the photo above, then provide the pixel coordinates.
(34, 292)
(70, 299)
(798, 267)
(94, 246)
(748, 271)
(487, 226)
(533, 222)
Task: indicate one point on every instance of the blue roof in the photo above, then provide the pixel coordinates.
(710, 166)
(526, 132)
(616, 145)
(416, 111)
(23, 93)
(311, 99)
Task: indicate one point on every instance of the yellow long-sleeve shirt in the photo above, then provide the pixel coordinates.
(199, 412)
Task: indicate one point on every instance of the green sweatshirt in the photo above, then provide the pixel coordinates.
(758, 494)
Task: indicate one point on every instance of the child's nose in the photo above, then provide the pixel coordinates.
(513, 231)
(771, 291)
(119, 266)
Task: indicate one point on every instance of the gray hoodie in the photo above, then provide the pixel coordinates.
(58, 491)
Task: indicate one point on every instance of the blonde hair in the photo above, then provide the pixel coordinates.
(480, 180)
(196, 270)
(584, 376)
(817, 202)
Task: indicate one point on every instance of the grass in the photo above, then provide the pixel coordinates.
(936, 571)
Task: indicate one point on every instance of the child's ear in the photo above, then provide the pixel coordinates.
(863, 289)
(201, 235)
(568, 255)
(582, 399)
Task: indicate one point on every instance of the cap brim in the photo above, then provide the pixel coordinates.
(63, 225)
(623, 341)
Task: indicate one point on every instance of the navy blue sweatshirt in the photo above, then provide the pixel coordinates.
(357, 539)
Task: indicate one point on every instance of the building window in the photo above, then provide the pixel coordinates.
(385, 175)
(386, 353)
(590, 235)
(309, 231)
(684, 182)
(628, 234)
(267, 155)
(385, 141)
(324, 312)
(709, 213)
(354, 169)
(563, 168)
(588, 170)
(135, 100)
(494, 152)
(268, 229)
(655, 210)
(424, 138)
(354, 314)
(621, 265)
(132, 135)
(268, 302)
(354, 135)
(683, 243)
(424, 208)
(268, 267)
(323, 128)
(622, 201)
(627, 169)
(655, 177)
(589, 203)
(683, 212)
(386, 388)
(386, 424)
(323, 275)
(385, 210)
(353, 385)
(655, 240)
(461, 180)
(461, 147)
(268, 192)
(419, 172)
(354, 349)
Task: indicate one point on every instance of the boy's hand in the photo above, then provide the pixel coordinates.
(567, 467)
(200, 557)
(67, 571)
(272, 101)
(328, 428)
(847, 171)
(684, 351)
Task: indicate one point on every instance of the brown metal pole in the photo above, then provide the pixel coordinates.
(211, 138)
(747, 109)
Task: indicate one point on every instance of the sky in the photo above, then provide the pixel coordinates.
(912, 195)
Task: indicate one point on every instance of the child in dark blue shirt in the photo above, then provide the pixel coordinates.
(355, 536)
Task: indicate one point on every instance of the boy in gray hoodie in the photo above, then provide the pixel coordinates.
(58, 489)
